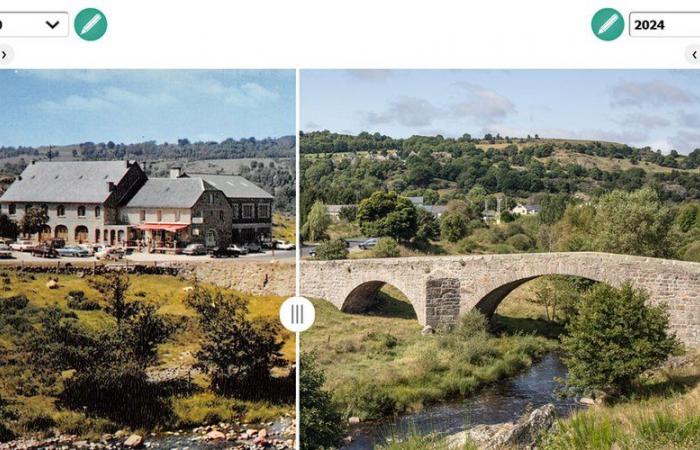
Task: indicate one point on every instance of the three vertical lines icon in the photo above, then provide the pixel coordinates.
(297, 314)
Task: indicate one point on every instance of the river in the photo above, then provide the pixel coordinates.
(503, 402)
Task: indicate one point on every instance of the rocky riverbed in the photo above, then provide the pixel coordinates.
(274, 435)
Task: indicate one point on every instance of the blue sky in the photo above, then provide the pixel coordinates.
(68, 107)
(660, 109)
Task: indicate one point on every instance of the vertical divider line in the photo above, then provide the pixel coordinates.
(297, 259)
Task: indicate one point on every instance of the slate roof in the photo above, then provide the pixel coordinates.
(66, 182)
(169, 193)
(233, 186)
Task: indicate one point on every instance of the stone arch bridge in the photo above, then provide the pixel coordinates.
(441, 288)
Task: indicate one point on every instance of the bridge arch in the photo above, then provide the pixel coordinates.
(363, 296)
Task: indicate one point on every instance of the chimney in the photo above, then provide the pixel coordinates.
(110, 186)
(33, 161)
(175, 172)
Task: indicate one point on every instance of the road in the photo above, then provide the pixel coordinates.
(280, 255)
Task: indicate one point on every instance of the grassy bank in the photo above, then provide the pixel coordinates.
(380, 364)
(32, 404)
(665, 414)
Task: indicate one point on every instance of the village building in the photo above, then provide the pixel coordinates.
(525, 210)
(114, 202)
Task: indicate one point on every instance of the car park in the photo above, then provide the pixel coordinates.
(73, 252)
(224, 252)
(369, 243)
(22, 245)
(195, 249)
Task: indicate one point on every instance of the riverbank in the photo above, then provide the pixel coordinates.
(380, 365)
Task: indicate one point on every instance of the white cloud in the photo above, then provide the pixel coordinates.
(647, 121)
(483, 105)
(650, 93)
(406, 111)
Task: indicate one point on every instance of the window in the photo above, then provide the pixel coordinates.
(81, 211)
(177, 216)
(142, 215)
(211, 198)
(221, 215)
(235, 211)
(13, 209)
(264, 210)
(159, 216)
(97, 211)
(61, 211)
(248, 210)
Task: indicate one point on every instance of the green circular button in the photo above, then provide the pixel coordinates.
(90, 24)
(608, 24)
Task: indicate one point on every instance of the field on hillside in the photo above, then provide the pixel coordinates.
(34, 406)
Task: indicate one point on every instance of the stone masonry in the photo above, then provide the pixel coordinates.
(442, 287)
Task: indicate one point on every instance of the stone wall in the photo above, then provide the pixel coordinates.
(254, 277)
(440, 288)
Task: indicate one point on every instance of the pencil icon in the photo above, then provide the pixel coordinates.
(608, 23)
(91, 23)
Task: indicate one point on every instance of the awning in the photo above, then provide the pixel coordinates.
(172, 227)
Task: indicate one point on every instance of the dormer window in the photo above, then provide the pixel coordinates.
(81, 211)
(61, 211)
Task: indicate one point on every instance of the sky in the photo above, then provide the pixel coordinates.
(655, 108)
(68, 106)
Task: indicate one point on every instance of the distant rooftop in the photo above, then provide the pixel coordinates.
(232, 186)
(66, 182)
(169, 193)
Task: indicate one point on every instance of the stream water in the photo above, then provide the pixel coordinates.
(503, 402)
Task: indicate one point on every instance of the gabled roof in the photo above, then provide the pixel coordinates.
(232, 186)
(66, 182)
(169, 193)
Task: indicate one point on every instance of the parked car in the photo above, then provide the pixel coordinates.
(22, 245)
(73, 251)
(369, 243)
(109, 253)
(268, 244)
(90, 249)
(224, 252)
(253, 247)
(57, 243)
(5, 251)
(241, 249)
(195, 249)
(285, 245)
(43, 250)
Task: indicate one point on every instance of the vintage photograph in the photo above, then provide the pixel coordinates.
(500, 259)
(147, 240)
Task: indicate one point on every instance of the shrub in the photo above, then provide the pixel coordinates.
(386, 248)
(453, 226)
(14, 302)
(320, 424)
(467, 245)
(328, 250)
(471, 324)
(692, 252)
(77, 300)
(614, 338)
(521, 242)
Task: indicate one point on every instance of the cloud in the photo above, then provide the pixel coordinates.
(107, 99)
(685, 141)
(688, 119)
(75, 103)
(312, 126)
(406, 111)
(650, 93)
(483, 105)
(647, 121)
(371, 75)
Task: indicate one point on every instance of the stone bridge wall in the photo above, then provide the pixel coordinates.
(441, 288)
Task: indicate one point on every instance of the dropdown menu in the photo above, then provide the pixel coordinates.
(15, 24)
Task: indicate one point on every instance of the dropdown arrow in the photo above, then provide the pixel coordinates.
(52, 25)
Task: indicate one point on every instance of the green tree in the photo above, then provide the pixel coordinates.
(552, 208)
(386, 248)
(388, 214)
(634, 223)
(236, 352)
(114, 286)
(317, 222)
(428, 226)
(335, 249)
(688, 217)
(348, 213)
(614, 338)
(8, 228)
(453, 226)
(320, 425)
(34, 220)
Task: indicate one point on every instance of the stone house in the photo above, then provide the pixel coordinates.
(114, 202)
(525, 210)
(82, 199)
